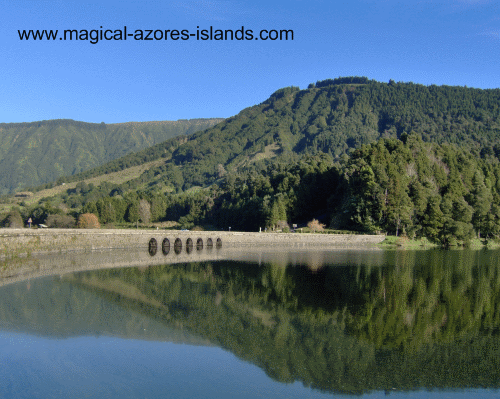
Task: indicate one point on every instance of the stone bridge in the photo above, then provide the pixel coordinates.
(59, 251)
(25, 241)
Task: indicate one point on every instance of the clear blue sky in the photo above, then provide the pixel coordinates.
(452, 42)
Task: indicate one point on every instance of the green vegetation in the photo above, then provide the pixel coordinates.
(401, 158)
(40, 152)
(411, 320)
(391, 242)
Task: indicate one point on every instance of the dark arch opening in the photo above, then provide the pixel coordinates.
(218, 243)
(165, 246)
(189, 245)
(177, 246)
(210, 243)
(152, 247)
(199, 244)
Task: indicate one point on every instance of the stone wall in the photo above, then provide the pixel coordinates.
(25, 241)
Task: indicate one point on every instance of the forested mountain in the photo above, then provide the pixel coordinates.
(361, 155)
(40, 152)
(331, 116)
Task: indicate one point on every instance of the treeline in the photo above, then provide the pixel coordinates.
(408, 187)
(341, 80)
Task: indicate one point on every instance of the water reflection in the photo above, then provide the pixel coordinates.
(340, 322)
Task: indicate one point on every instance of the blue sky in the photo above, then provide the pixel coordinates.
(452, 42)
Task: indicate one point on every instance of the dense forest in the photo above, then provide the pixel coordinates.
(358, 155)
(40, 152)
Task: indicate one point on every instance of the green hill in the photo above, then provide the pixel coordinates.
(357, 154)
(40, 152)
(331, 116)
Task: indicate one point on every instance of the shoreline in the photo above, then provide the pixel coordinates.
(393, 242)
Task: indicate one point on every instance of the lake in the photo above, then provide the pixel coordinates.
(254, 323)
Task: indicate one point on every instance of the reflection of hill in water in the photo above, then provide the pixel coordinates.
(417, 319)
(58, 309)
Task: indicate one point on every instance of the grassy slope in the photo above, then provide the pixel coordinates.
(40, 152)
(114, 177)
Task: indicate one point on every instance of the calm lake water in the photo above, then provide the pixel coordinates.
(408, 324)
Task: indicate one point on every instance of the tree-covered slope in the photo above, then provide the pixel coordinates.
(39, 152)
(333, 116)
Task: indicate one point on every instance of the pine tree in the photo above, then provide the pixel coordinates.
(433, 219)
(481, 199)
(132, 214)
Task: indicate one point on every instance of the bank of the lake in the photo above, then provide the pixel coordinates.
(393, 242)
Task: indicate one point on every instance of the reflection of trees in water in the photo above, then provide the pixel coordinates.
(446, 297)
(275, 277)
(424, 297)
(343, 329)
(316, 261)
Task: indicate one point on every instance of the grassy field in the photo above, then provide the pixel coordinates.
(270, 151)
(114, 177)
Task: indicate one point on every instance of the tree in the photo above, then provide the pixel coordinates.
(144, 211)
(493, 221)
(90, 207)
(132, 214)
(277, 214)
(283, 226)
(106, 209)
(14, 220)
(88, 221)
(315, 225)
(38, 215)
(433, 219)
(363, 203)
(60, 221)
(221, 171)
(481, 199)
(158, 208)
(399, 204)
